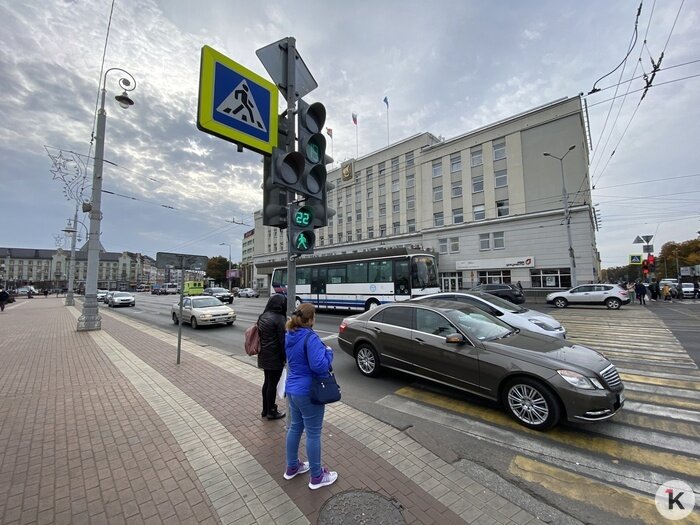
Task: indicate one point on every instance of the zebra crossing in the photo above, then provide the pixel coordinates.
(623, 461)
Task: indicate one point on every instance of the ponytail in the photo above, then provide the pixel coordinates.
(302, 317)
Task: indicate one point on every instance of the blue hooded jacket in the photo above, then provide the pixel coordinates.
(316, 360)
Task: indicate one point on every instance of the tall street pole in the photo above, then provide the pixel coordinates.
(90, 318)
(567, 218)
(229, 263)
(70, 300)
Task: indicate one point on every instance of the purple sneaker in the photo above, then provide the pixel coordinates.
(299, 469)
(326, 478)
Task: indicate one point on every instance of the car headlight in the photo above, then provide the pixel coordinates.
(579, 380)
(205, 316)
(542, 325)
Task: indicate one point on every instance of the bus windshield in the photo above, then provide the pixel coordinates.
(423, 272)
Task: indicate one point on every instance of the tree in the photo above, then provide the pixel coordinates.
(675, 255)
(217, 268)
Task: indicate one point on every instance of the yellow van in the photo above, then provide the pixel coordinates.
(194, 287)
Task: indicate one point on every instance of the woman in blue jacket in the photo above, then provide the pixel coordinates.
(307, 356)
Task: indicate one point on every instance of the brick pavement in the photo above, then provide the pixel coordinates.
(104, 427)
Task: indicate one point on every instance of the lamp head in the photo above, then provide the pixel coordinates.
(124, 100)
(572, 147)
(546, 154)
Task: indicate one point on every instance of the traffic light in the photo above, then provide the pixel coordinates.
(312, 147)
(321, 211)
(301, 230)
(645, 266)
(651, 260)
(274, 199)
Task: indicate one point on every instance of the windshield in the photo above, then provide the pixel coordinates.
(423, 272)
(218, 290)
(501, 303)
(121, 294)
(481, 325)
(206, 302)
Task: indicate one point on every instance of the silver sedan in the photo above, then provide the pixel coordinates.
(202, 310)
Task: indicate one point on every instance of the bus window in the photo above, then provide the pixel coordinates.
(380, 272)
(401, 278)
(423, 272)
(303, 275)
(336, 275)
(357, 272)
(318, 280)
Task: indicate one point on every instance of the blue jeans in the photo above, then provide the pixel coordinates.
(302, 415)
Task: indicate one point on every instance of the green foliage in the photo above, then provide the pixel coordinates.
(216, 268)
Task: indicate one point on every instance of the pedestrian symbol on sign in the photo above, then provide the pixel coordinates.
(636, 259)
(240, 104)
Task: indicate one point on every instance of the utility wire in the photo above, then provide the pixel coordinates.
(637, 78)
(642, 89)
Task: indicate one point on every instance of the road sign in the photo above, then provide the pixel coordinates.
(647, 238)
(236, 104)
(274, 58)
(636, 259)
(638, 240)
(648, 248)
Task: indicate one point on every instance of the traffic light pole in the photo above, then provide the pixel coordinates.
(291, 105)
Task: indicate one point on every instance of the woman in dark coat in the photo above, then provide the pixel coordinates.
(272, 357)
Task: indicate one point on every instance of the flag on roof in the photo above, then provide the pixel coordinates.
(329, 132)
(354, 118)
(386, 101)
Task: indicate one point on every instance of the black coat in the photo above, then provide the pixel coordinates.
(271, 327)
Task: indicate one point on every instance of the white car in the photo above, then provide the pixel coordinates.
(610, 295)
(101, 294)
(203, 309)
(248, 292)
(687, 290)
(513, 314)
(121, 299)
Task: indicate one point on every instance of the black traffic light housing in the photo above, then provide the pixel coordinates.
(322, 212)
(312, 148)
(274, 199)
(645, 266)
(302, 237)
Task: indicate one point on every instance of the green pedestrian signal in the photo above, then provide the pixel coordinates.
(303, 238)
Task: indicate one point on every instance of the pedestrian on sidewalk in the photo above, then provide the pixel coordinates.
(4, 297)
(272, 356)
(641, 291)
(46, 293)
(307, 356)
(666, 292)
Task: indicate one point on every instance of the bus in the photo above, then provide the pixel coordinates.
(361, 281)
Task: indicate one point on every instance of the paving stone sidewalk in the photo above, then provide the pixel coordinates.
(104, 427)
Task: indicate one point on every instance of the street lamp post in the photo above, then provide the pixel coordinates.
(229, 263)
(90, 318)
(73, 231)
(567, 218)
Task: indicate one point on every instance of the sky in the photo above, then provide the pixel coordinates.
(446, 67)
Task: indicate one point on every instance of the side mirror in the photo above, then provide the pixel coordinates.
(457, 339)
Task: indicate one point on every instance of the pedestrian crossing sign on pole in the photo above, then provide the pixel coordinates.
(636, 259)
(236, 104)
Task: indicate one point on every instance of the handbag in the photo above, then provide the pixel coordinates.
(324, 390)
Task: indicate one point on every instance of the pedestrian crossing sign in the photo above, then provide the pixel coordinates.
(636, 259)
(236, 104)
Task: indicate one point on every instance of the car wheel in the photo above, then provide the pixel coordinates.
(560, 302)
(532, 404)
(367, 360)
(193, 323)
(371, 304)
(175, 321)
(613, 303)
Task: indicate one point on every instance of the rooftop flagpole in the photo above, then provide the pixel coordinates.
(386, 101)
(357, 141)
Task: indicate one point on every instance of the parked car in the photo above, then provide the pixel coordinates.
(26, 291)
(222, 294)
(687, 290)
(611, 295)
(121, 299)
(155, 289)
(248, 292)
(510, 292)
(514, 315)
(201, 310)
(538, 379)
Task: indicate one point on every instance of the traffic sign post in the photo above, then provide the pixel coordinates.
(236, 104)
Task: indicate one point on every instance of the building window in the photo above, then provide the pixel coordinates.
(396, 208)
(457, 216)
(477, 158)
(370, 212)
(396, 227)
(410, 180)
(358, 195)
(382, 230)
(370, 194)
(479, 212)
(437, 193)
(349, 217)
(410, 202)
(494, 276)
(502, 208)
(438, 219)
(382, 190)
(358, 215)
(358, 234)
(551, 278)
(455, 163)
(382, 209)
(382, 170)
(411, 225)
(442, 245)
(340, 219)
(340, 237)
(499, 149)
(409, 159)
(395, 185)
(499, 240)
(501, 177)
(369, 174)
(478, 184)
(395, 166)
(437, 168)
(340, 200)
(484, 241)
(454, 244)
(457, 189)
(370, 232)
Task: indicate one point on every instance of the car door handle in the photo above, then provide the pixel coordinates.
(418, 339)
(377, 329)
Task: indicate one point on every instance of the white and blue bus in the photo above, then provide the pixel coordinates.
(361, 281)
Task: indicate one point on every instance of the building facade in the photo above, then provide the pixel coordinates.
(248, 276)
(488, 202)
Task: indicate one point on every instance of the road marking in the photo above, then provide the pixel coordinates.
(650, 380)
(662, 400)
(602, 445)
(619, 501)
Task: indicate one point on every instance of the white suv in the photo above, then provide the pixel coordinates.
(610, 295)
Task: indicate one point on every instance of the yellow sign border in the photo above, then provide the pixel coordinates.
(641, 256)
(205, 106)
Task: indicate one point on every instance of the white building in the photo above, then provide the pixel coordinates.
(489, 202)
